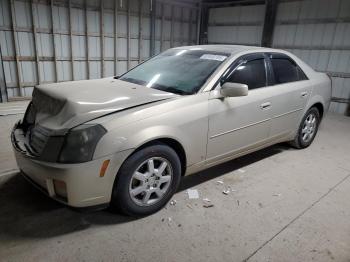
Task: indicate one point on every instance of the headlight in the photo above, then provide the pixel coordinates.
(80, 143)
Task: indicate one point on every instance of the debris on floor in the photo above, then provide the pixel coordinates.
(193, 193)
(277, 195)
(173, 202)
(219, 182)
(241, 170)
(168, 220)
(189, 206)
(237, 202)
(207, 203)
(226, 191)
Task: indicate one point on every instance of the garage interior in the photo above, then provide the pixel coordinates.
(284, 204)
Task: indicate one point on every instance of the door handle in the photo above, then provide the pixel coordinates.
(303, 94)
(265, 105)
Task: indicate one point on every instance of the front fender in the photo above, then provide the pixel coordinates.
(184, 120)
(127, 138)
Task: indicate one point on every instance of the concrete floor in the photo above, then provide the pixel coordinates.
(289, 205)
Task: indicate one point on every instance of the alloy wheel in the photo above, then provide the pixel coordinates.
(150, 181)
(309, 127)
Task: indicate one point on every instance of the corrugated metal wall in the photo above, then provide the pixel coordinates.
(45, 41)
(236, 25)
(317, 31)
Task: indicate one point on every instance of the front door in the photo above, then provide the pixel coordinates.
(237, 124)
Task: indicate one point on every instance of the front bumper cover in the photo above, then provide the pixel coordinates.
(83, 184)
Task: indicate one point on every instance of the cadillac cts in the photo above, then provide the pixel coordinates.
(126, 141)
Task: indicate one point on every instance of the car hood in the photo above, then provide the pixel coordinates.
(65, 105)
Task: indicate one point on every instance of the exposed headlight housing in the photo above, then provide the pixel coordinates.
(80, 143)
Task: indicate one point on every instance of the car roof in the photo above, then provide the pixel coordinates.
(231, 49)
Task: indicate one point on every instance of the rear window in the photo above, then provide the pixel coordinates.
(286, 71)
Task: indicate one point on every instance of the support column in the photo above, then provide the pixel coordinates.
(54, 44)
(269, 22)
(15, 40)
(153, 27)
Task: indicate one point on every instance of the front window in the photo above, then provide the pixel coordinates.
(180, 71)
(251, 73)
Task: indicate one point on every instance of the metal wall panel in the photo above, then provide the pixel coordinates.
(236, 25)
(318, 31)
(45, 41)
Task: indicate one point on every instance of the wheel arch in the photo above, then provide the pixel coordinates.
(172, 143)
(319, 107)
(318, 102)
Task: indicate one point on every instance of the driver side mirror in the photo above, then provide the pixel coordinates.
(229, 89)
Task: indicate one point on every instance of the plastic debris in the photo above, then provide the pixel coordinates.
(219, 182)
(207, 205)
(226, 191)
(173, 202)
(189, 206)
(241, 170)
(193, 193)
(277, 195)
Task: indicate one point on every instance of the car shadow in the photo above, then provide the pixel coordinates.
(26, 212)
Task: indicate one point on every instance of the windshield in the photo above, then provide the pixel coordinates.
(179, 71)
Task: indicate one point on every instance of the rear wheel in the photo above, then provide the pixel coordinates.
(307, 129)
(146, 181)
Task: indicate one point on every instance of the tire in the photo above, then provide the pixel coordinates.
(304, 138)
(145, 192)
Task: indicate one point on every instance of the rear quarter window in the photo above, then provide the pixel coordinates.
(286, 71)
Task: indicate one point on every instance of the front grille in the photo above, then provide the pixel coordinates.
(38, 137)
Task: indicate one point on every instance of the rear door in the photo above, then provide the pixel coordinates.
(291, 90)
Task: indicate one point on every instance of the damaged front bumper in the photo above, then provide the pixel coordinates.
(77, 185)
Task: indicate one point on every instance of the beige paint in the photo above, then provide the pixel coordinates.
(211, 129)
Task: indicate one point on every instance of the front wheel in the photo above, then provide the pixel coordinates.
(307, 129)
(146, 181)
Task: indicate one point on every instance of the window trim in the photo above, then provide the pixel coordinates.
(242, 60)
(275, 55)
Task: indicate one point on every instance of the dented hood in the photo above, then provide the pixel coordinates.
(68, 104)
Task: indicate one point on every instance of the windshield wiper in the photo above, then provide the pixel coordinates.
(171, 90)
(133, 80)
(176, 91)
